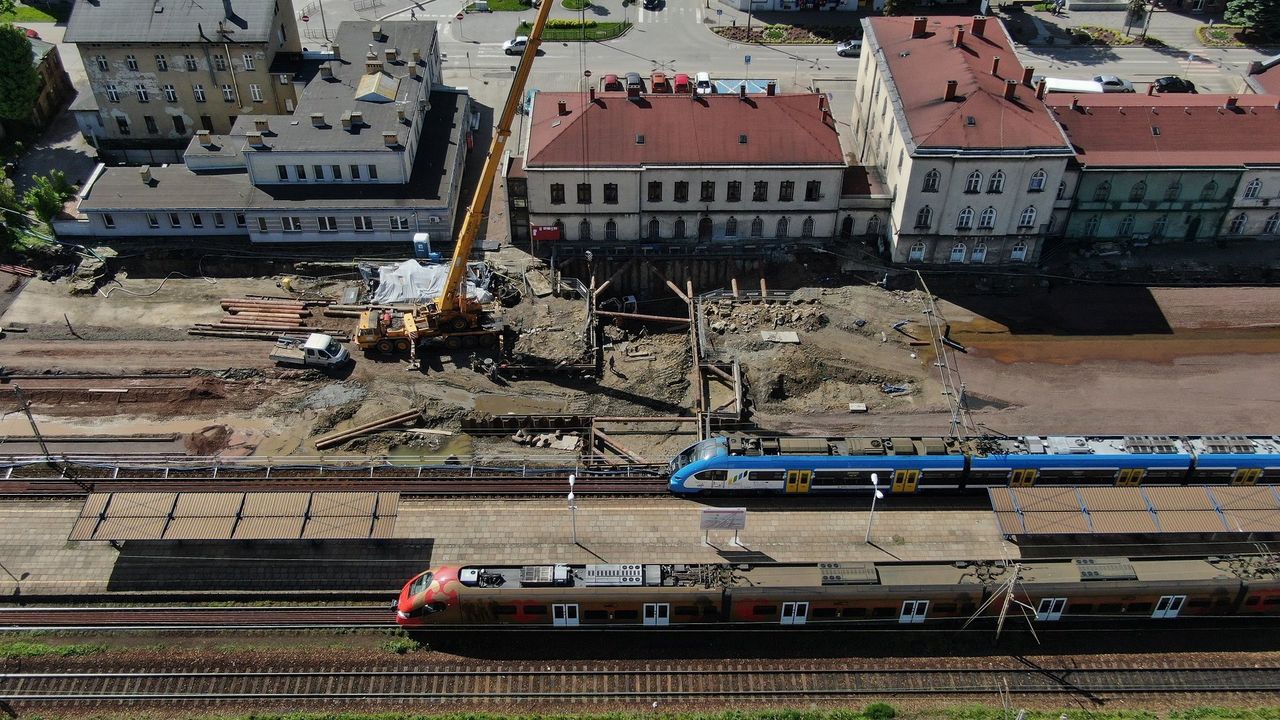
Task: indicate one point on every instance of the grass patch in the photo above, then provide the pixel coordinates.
(402, 645)
(576, 4)
(14, 650)
(783, 34)
(503, 6)
(1222, 36)
(1093, 35)
(590, 31)
(23, 13)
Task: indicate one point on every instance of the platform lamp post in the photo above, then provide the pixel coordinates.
(876, 495)
(573, 508)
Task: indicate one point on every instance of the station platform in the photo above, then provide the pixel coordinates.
(37, 560)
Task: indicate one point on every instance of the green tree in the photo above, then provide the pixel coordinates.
(1262, 16)
(45, 198)
(19, 84)
(899, 7)
(7, 6)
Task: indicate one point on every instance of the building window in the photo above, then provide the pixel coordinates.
(190, 61)
(611, 230)
(584, 193)
(1126, 226)
(364, 223)
(284, 78)
(1209, 191)
(255, 92)
(399, 222)
(708, 193)
(355, 173)
(958, 253)
(291, 223)
(1091, 226)
(1238, 224)
(806, 228)
(761, 192)
(1157, 227)
(108, 222)
(1062, 189)
(733, 193)
(1138, 191)
(219, 221)
(179, 125)
(557, 193)
(281, 34)
(973, 183)
(241, 220)
(198, 92)
(873, 225)
(373, 172)
(964, 221)
(653, 229)
(996, 185)
(655, 192)
(813, 190)
(757, 227)
(1272, 224)
(162, 63)
(131, 62)
(228, 93)
(1027, 218)
(300, 172)
(584, 230)
(1052, 224)
(782, 228)
(931, 181)
(122, 124)
(153, 222)
(248, 61)
(677, 230)
(282, 172)
(1253, 189)
(219, 63)
(175, 220)
(150, 122)
(327, 223)
(170, 93)
(1038, 180)
(682, 191)
(1019, 251)
(786, 191)
(1102, 192)
(197, 221)
(987, 220)
(335, 172)
(317, 171)
(924, 218)
(731, 227)
(143, 95)
(979, 253)
(611, 193)
(1173, 191)
(102, 62)
(916, 254)
(113, 94)
(262, 224)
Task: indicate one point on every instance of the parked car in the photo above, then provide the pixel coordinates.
(1171, 84)
(635, 84)
(611, 83)
(849, 48)
(1067, 85)
(1111, 83)
(652, 4)
(658, 83)
(702, 84)
(682, 84)
(516, 45)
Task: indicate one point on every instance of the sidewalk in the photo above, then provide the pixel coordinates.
(1177, 29)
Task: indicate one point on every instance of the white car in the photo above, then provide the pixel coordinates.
(1111, 84)
(702, 84)
(516, 45)
(849, 48)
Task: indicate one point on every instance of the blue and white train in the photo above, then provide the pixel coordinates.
(798, 465)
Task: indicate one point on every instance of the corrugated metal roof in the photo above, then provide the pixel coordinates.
(1126, 510)
(1178, 498)
(1055, 523)
(1123, 521)
(1113, 498)
(1245, 498)
(130, 528)
(276, 504)
(342, 504)
(141, 504)
(337, 527)
(268, 528)
(1190, 521)
(208, 505)
(1001, 500)
(1044, 499)
(1010, 523)
(199, 528)
(1253, 520)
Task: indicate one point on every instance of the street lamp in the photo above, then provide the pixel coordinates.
(875, 489)
(573, 509)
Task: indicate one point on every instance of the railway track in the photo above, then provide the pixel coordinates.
(572, 684)
(195, 618)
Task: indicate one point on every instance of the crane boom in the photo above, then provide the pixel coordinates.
(450, 300)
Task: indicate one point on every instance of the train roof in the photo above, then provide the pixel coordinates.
(1048, 445)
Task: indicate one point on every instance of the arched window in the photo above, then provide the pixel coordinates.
(1126, 226)
(677, 230)
(731, 227)
(1238, 224)
(1091, 226)
(979, 253)
(1028, 217)
(997, 182)
(965, 220)
(653, 229)
(987, 220)
(1062, 189)
(958, 252)
(1157, 227)
(917, 252)
(873, 225)
(931, 181)
(611, 230)
(1019, 251)
(924, 218)
(782, 228)
(1173, 191)
(1038, 180)
(806, 228)
(757, 227)
(560, 228)
(1273, 223)
(1138, 191)
(1209, 191)
(1102, 192)
(584, 230)
(1253, 189)
(973, 183)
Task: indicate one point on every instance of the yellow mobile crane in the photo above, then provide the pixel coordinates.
(453, 316)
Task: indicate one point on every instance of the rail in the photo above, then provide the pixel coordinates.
(84, 618)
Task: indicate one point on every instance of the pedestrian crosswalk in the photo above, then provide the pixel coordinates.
(669, 15)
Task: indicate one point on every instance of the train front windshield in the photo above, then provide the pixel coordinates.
(699, 451)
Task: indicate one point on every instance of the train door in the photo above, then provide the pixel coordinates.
(795, 613)
(798, 481)
(914, 611)
(1023, 478)
(904, 481)
(657, 614)
(1169, 606)
(564, 615)
(1130, 477)
(1051, 609)
(1246, 476)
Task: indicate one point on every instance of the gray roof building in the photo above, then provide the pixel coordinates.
(169, 21)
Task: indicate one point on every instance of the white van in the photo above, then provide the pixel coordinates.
(702, 84)
(1063, 85)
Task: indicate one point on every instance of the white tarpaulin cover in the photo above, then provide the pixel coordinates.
(411, 281)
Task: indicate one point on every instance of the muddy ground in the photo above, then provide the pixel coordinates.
(1051, 360)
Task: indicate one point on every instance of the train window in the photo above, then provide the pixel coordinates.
(764, 610)
(711, 611)
(625, 614)
(1139, 607)
(504, 610)
(1252, 600)
(1198, 603)
(945, 607)
(1274, 600)
(767, 475)
(595, 614)
(853, 612)
(712, 475)
(1080, 608)
(968, 608)
(685, 610)
(884, 612)
(1109, 608)
(535, 609)
(824, 613)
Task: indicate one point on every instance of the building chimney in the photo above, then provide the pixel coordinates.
(416, 54)
(390, 139)
(979, 25)
(995, 65)
(346, 121)
(337, 51)
(950, 94)
(562, 107)
(317, 120)
(1027, 72)
(742, 91)
(255, 139)
(1040, 88)
(261, 125)
(1231, 102)
(1151, 89)
(1075, 103)
(771, 89)
(377, 32)
(592, 92)
(372, 67)
(413, 71)
(145, 173)
(392, 54)
(918, 26)
(957, 37)
(1010, 89)
(205, 138)
(326, 72)
(357, 119)
(402, 116)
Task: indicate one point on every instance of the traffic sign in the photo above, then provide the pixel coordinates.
(586, 73)
(719, 12)
(458, 16)
(747, 60)
(306, 18)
